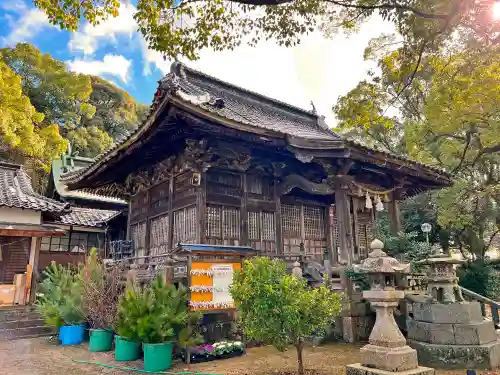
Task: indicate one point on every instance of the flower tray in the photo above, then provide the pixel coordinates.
(199, 358)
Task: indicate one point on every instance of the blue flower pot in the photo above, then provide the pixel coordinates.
(71, 335)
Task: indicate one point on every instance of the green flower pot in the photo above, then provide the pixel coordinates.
(101, 340)
(126, 350)
(157, 357)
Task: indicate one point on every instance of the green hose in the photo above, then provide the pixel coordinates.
(139, 370)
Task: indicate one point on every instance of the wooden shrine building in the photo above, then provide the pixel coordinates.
(217, 164)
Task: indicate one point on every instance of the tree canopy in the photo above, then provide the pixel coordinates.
(184, 27)
(45, 106)
(445, 115)
(21, 125)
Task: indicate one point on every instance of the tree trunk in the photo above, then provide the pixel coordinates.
(300, 361)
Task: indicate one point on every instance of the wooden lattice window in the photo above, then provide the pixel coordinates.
(314, 222)
(262, 231)
(365, 233)
(139, 206)
(158, 235)
(185, 222)
(138, 237)
(259, 187)
(224, 183)
(213, 221)
(231, 222)
(222, 224)
(159, 197)
(291, 220)
(303, 226)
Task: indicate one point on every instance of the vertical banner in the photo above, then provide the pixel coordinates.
(222, 280)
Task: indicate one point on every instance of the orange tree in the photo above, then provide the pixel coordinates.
(279, 309)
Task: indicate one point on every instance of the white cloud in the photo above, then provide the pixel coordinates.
(150, 57)
(114, 65)
(24, 22)
(318, 70)
(91, 37)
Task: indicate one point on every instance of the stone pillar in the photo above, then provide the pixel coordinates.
(387, 351)
(447, 331)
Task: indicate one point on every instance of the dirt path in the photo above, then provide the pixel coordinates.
(38, 357)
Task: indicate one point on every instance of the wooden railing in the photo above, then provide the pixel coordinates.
(489, 308)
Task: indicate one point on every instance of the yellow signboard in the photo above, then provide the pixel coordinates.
(209, 284)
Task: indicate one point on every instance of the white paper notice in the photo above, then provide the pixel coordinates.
(222, 280)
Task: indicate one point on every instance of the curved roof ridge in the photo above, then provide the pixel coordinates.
(179, 68)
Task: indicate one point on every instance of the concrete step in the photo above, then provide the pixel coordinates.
(23, 323)
(28, 332)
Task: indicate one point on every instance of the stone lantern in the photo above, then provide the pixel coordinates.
(442, 281)
(387, 350)
(447, 331)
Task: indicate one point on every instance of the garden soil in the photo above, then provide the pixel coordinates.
(40, 357)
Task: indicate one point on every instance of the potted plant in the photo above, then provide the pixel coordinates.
(60, 303)
(101, 292)
(131, 307)
(157, 315)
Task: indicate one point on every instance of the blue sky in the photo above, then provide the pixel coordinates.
(318, 70)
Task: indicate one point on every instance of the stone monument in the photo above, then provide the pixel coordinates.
(387, 352)
(446, 330)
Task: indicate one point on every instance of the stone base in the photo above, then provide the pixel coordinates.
(483, 357)
(452, 334)
(451, 313)
(389, 359)
(358, 369)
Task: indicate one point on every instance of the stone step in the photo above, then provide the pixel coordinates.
(23, 323)
(22, 333)
(18, 313)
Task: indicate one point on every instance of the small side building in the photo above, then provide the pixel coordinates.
(23, 214)
(94, 220)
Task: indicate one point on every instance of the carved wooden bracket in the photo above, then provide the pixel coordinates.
(297, 181)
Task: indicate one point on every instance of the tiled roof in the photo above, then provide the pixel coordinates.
(244, 106)
(84, 194)
(248, 108)
(87, 217)
(16, 191)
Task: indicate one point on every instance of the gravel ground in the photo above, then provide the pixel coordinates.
(39, 357)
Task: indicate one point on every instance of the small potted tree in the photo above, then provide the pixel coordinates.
(60, 303)
(101, 292)
(131, 307)
(156, 315)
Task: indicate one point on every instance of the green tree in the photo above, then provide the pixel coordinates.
(62, 96)
(277, 308)
(21, 126)
(185, 27)
(445, 113)
(117, 113)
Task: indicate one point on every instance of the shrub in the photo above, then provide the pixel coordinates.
(280, 309)
(481, 277)
(60, 298)
(101, 288)
(154, 314)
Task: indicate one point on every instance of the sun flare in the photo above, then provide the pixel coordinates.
(496, 10)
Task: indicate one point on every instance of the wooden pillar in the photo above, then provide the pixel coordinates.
(202, 206)
(394, 215)
(344, 226)
(279, 233)
(244, 212)
(355, 228)
(171, 243)
(32, 270)
(329, 235)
